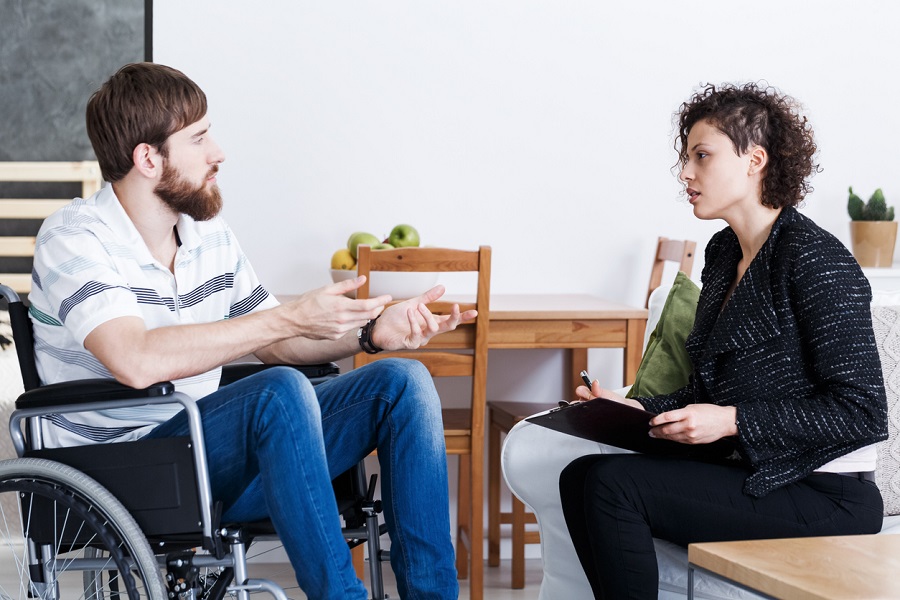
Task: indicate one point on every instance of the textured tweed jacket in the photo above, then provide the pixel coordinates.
(793, 350)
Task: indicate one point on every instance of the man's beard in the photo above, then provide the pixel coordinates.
(182, 196)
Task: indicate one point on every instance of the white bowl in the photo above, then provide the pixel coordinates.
(398, 285)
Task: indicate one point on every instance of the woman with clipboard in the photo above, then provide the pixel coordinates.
(784, 364)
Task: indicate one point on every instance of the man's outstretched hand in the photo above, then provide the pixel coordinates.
(409, 324)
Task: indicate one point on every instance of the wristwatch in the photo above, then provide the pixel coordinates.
(364, 334)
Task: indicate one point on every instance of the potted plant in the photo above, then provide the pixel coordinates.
(873, 231)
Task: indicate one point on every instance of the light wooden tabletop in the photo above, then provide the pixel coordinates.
(814, 568)
(525, 307)
(532, 307)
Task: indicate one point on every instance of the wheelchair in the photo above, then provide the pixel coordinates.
(135, 519)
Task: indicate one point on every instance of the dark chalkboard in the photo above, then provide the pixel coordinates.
(53, 55)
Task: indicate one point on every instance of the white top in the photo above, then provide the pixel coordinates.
(91, 265)
(864, 459)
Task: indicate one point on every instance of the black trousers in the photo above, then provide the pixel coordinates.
(614, 504)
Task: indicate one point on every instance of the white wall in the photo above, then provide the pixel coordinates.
(541, 128)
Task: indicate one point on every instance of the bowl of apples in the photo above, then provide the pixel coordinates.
(397, 285)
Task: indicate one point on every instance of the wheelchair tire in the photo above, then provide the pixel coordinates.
(90, 545)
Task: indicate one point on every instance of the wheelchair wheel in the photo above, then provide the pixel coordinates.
(64, 535)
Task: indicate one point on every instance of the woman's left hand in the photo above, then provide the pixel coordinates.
(409, 325)
(695, 424)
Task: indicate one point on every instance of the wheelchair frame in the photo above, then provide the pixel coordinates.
(226, 545)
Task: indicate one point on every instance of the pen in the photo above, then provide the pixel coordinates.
(587, 379)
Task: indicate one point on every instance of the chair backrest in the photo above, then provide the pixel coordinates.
(471, 336)
(20, 217)
(678, 251)
(23, 337)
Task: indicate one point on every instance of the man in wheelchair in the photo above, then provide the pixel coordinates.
(144, 282)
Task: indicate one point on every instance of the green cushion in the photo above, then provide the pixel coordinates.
(665, 366)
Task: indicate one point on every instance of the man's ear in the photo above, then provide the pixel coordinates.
(147, 160)
(759, 158)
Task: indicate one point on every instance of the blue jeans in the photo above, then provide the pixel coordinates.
(274, 443)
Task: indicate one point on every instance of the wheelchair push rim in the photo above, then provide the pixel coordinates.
(63, 535)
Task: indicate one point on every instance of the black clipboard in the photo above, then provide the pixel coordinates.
(623, 426)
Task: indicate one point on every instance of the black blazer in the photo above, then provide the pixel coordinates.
(793, 350)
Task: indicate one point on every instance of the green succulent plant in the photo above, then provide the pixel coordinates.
(876, 209)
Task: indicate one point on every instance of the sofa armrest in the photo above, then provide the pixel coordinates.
(532, 459)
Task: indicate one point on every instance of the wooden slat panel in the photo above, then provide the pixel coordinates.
(17, 246)
(457, 430)
(445, 308)
(440, 259)
(557, 334)
(506, 519)
(19, 282)
(457, 444)
(30, 208)
(458, 339)
(85, 172)
(441, 364)
(438, 308)
(49, 171)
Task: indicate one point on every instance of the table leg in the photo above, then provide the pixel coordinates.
(634, 348)
(493, 492)
(579, 362)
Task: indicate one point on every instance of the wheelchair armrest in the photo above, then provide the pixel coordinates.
(88, 391)
(315, 373)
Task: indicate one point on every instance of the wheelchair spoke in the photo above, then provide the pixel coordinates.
(69, 539)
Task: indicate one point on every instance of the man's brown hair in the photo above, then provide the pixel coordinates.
(141, 103)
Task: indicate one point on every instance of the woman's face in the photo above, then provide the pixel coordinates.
(719, 183)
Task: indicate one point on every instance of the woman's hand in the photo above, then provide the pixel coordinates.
(596, 391)
(409, 325)
(695, 424)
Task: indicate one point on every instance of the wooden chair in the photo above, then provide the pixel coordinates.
(676, 251)
(16, 249)
(463, 427)
(503, 415)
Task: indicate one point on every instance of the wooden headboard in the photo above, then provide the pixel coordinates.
(36, 209)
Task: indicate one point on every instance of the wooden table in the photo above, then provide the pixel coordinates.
(572, 322)
(815, 568)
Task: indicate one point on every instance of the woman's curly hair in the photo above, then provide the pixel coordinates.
(750, 115)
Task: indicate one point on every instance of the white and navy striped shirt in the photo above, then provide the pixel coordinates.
(91, 265)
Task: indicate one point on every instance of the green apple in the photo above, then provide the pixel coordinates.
(404, 236)
(383, 246)
(361, 237)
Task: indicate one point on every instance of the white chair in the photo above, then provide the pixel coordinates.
(533, 457)
(504, 414)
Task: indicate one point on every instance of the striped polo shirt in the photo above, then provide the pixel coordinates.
(91, 265)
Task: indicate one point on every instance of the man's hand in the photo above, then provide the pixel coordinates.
(695, 424)
(409, 325)
(326, 314)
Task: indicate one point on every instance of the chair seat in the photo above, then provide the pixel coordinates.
(457, 421)
(505, 414)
